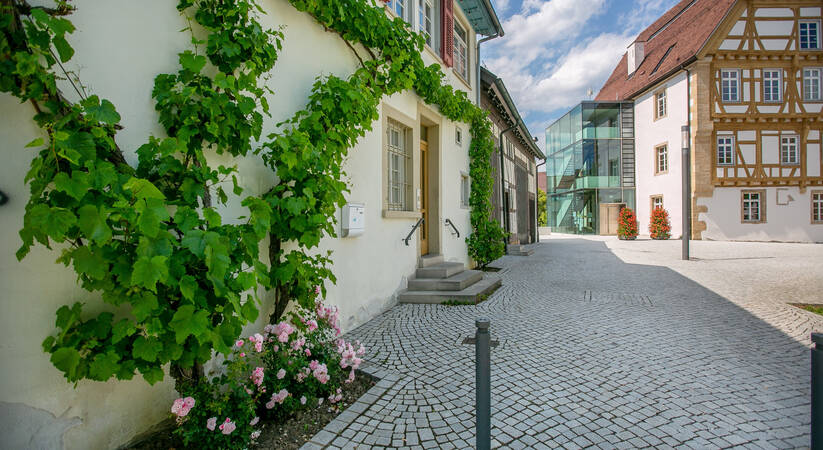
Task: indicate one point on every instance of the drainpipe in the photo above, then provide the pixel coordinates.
(503, 182)
(686, 233)
(477, 53)
(537, 205)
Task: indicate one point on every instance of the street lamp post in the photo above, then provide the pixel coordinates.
(687, 204)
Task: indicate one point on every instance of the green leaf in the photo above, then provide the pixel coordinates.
(186, 218)
(143, 305)
(92, 223)
(67, 316)
(192, 62)
(104, 366)
(148, 271)
(249, 310)
(195, 242)
(188, 322)
(121, 330)
(142, 189)
(101, 111)
(152, 374)
(188, 286)
(152, 212)
(35, 143)
(66, 359)
(78, 143)
(92, 264)
(146, 348)
(54, 222)
(212, 217)
(76, 186)
(63, 48)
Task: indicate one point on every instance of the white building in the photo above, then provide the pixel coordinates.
(120, 47)
(746, 77)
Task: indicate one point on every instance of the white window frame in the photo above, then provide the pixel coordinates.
(756, 214)
(812, 84)
(661, 159)
(422, 17)
(728, 150)
(657, 202)
(403, 5)
(461, 51)
(465, 190)
(399, 167)
(769, 92)
(660, 104)
(789, 150)
(817, 203)
(725, 76)
(816, 35)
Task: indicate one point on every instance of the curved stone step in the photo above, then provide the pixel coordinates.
(471, 293)
(453, 283)
(443, 270)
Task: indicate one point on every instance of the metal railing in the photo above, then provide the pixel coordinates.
(408, 238)
(451, 224)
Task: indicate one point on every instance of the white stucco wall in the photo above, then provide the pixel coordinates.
(650, 133)
(789, 222)
(120, 47)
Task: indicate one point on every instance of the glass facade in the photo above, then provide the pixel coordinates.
(585, 165)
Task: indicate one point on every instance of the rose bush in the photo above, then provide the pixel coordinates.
(659, 225)
(627, 224)
(297, 363)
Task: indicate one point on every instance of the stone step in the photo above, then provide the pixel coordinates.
(519, 249)
(430, 260)
(442, 270)
(470, 294)
(453, 283)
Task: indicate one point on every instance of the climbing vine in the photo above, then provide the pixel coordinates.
(152, 237)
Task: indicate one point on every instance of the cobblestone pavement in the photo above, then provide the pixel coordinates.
(605, 344)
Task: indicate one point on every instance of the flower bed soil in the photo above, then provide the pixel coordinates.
(291, 434)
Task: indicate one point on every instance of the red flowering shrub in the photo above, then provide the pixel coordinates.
(627, 224)
(659, 225)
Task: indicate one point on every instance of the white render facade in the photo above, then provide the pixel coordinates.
(120, 47)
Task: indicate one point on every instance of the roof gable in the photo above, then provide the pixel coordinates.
(672, 40)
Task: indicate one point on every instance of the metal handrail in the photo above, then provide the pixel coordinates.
(449, 222)
(408, 238)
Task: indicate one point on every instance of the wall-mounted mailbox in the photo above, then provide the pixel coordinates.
(354, 219)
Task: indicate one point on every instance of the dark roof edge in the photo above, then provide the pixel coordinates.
(493, 15)
(498, 82)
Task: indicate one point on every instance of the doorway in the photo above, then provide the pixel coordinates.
(424, 192)
(609, 214)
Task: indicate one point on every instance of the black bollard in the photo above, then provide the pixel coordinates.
(817, 391)
(483, 383)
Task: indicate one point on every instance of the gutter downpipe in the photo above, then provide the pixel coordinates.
(503, 202)
(686, 232)
(537, 205)
(477, 53)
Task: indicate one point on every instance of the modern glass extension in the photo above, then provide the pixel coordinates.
(590, 164)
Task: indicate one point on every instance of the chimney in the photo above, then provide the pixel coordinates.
(635, 56)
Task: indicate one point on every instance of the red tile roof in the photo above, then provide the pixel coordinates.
(682, 39)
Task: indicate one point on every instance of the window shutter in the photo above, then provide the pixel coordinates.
(447, 28)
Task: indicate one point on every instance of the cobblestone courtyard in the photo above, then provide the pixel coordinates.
(605, 343)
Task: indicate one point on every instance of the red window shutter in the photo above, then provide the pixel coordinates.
(447, 32)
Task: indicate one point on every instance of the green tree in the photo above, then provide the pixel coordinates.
(542, 214)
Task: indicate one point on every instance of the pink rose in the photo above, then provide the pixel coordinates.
(182, 406)
(281, 373)
(211, 423)
(239, 343)
(255, 434)
(254, 421)
(257, 376)
(228, 426)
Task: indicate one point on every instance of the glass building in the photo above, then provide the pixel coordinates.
(590, 167)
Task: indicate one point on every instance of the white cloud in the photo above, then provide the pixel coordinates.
(542, 22)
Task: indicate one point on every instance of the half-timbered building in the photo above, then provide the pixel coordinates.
(746, 77)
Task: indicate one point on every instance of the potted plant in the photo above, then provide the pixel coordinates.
(627, 225)
(659, 225)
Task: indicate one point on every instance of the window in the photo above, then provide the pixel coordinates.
(510, 148)
(788, 150)
(458, 136)
(461, 51)
(661, 159)
(730, 85)
(465, 190)
(771, 85)
(399, 8)
(725, 150)
(660, 104)
(811, 83)
(809, 34)
(425, 20)
(817, 207)
(657, 202)
(399, 167)
(753, 206)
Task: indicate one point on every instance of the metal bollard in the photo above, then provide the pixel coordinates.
(817, 391)
(483, 383)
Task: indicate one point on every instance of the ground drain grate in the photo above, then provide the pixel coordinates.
(619, 298)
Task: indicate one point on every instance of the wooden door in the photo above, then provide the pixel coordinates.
(424, 197)
(609, 215)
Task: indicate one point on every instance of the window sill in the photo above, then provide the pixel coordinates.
(390, 214)
(665, 172)
(434, 55)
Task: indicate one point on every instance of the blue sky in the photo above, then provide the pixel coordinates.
(554, 51)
